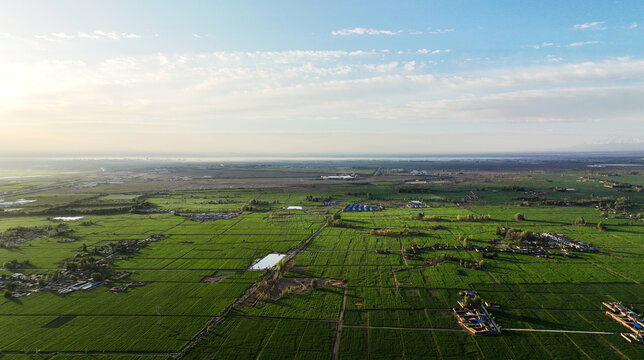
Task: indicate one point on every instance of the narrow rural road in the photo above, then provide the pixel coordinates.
(564, 331)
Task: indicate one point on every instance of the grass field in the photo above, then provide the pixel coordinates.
(384, 303)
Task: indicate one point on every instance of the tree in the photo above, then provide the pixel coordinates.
(471, 302)
(97, 276)
(601, 226)
(519, 217)
(314, 284)
(466, 243)
(579, 221)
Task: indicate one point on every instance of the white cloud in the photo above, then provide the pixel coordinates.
(364, 31)
(595, 25)
(62, 35)
(96, 34)
(433, 52)
(190, 96)
(440, 31)
(542, 45)
(582, 43)
(552, 58)
(198, 36)
(558, 105)
(633, 25)
(44, 37)
(410, 66)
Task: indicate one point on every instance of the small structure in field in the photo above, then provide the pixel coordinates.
(629, 319)
(338, 177)
(416, 204)
(360, 207)
(267, 261)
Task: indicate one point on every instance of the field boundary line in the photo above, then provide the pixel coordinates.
(402, 328)
(338, 333)
(613, 272)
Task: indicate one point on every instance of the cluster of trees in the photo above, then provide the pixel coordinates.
(257, 205)
(472, 302)
(14, 236)
(15, 264)
(335, 220)
(513, 235)
(83, 264)
(514, 188)
(318, 199)
(439, 259)
(470, 264)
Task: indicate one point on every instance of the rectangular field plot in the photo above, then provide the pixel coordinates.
(240, 338)
(321, 303)
(165, 298)
(100, 333)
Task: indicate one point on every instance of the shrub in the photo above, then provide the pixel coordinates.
(519, 217)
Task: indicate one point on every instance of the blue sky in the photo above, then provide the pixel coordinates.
(320, 77)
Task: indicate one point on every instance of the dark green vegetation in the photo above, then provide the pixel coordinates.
(355, 284)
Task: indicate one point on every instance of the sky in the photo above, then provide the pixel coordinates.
(320, 77)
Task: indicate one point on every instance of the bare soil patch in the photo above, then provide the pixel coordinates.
(288, 286)
(213, 279)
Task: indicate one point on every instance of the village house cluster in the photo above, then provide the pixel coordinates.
(82, 272)
(213, 216)
(629, 319)
(563, 242)
(473, 316)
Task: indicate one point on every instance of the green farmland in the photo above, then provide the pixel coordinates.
(170, 274)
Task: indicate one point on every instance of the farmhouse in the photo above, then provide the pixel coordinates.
(416, 204)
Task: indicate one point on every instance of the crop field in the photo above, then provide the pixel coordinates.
(167, 283)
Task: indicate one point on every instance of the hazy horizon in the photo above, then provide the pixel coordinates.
(446, 77)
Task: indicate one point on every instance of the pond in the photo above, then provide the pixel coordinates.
(17, 202)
